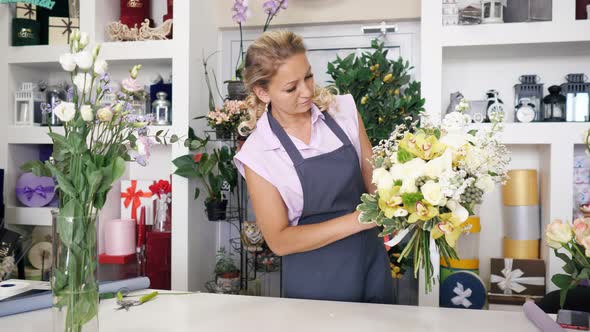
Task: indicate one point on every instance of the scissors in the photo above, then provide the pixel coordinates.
(126, 304)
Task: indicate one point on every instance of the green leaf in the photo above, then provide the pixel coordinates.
(184, 161)
(562, 296)
(197, 192)
(398, 183)
(472, 132)
(187, 172)
(173, 139)
(562, 280)
(404, 156)
(159, 132)
(437, 133)
(118, 169)
(63, 183)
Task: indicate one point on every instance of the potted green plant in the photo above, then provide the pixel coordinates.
(383, 90)
(227, 274)
(213, 169)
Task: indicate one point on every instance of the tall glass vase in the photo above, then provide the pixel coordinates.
(74, 275)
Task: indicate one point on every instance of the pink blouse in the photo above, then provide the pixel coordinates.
(263, 153)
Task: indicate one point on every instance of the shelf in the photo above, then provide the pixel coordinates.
(48, 55)
(30, 134)
(541, 132)
(515, 33)
(29, 216)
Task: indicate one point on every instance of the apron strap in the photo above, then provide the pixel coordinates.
(285, 140)
(336, 129)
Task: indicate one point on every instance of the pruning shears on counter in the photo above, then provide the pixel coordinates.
(126, 304)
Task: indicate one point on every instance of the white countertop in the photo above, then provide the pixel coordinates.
(212, 312)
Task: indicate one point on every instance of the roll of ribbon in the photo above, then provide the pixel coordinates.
(456, 265)
(522, 222)
(521, 188)
(520, 249)
(119, 237)
(474, 224)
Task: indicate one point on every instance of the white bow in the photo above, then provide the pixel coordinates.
(512, 279)
(434, 254)
(462, 295)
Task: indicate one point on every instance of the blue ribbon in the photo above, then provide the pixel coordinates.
(39, 190)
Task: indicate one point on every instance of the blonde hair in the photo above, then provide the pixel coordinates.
(263, 59)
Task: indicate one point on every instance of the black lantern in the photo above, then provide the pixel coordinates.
(554, 105)
(529, 93)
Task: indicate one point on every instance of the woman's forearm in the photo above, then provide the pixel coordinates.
(302, 238)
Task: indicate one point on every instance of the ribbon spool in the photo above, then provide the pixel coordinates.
(521, 188)
(463, 290)
(520, 249)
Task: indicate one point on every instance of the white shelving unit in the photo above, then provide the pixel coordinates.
(473, 59)
(193, 238)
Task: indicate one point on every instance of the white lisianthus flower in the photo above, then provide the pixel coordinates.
(411, 169)
(67, 62)
(458, 210)
(100, 67)
(84, 40)
(433, 194)
(485, 183)
(104, 114)
(86, 113)
(437, 166)
(65, 111)
(455, 139)
(408, 186)
(84, 60)
(83, 83)
(382, 178)
(558, 233)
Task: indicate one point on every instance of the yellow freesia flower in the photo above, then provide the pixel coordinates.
(423, 146)
(390, 201)
(422, 211)
(450, 226)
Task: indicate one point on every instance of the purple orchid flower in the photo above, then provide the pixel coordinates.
(241, 11)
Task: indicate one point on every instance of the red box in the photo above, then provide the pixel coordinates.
(134, 12)
(158, 265)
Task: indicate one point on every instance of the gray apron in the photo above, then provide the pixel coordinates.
(354, 269)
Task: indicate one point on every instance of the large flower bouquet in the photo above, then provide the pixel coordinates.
(429, 180)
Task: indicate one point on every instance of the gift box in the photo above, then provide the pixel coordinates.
(26, 10)
(35, 191)
(158, 265)
(463, 290)
(582, 175)
(60, 29)
(25, 32)
(134, 12)
(59, 9)
(513, 281)
(135, 194)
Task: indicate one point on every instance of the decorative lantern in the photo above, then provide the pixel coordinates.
(528, 96)
(577, 93)
(554, 105)
(27, 101)
(492, 11)
(161, 110)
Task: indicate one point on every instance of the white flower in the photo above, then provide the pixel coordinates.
(401, 212)
(86, 113)
(455, 121)
(412, 169)
(433, 194)
(458, 210)
(485, 183)
(382, 178)
(455, 139)
(83, 83)
(104, 114)
(84, 40)
(68, 62)
(65, 111)
(474, 159)
(95, 51)
(435, 167)
(100, 67)
(408, 186)
(84, 60)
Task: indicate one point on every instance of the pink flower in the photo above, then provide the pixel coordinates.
(131, 85)
(581, 229)
(586, 243)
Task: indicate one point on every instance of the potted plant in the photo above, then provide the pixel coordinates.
(227, 274)
(383, 90)
(240, 13)
(216, 171)
(225, 120)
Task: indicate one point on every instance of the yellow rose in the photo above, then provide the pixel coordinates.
(558, 233)
(432, 193)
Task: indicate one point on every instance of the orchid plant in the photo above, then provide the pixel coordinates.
(241, 12)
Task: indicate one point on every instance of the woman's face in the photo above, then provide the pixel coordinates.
(291, 89)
